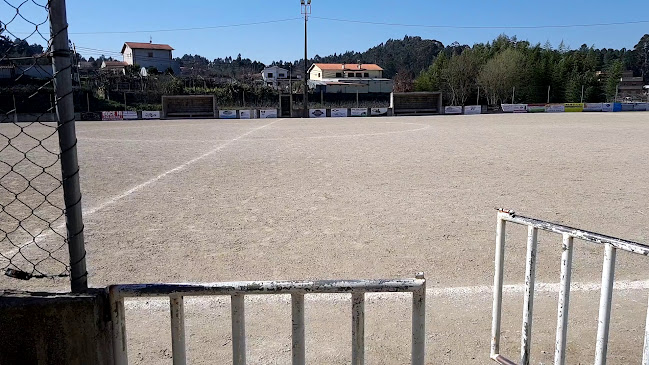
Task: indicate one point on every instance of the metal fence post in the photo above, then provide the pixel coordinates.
(62, 68)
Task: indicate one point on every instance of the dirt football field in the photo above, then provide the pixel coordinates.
(356, 198)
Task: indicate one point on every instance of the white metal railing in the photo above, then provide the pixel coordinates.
(297, 289)
(611, 244)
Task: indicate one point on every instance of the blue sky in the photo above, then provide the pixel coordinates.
(284, 40)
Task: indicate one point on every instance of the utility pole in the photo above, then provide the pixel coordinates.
(548, 94)
(477, 99)
(513, 93)
(582, 93)
(306, 10)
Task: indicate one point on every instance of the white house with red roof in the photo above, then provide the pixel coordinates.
(349, 78)
(150, 55)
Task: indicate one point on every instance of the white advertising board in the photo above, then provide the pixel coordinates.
(244, 114)
(593, 107)
(227, 114)
(317, 113)
(150, 115)
(607, 107)
(112, 115)
(514, 108)
(379, 112)
(453, 109)
(129, 114)
(472, 109)
(358, 112)
(339, 113)
(555, 108)
(267, 113)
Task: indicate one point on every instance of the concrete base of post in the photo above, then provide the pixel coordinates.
(47, 328)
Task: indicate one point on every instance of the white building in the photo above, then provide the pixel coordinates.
(150, 55)
(349, 78)
(275, 76)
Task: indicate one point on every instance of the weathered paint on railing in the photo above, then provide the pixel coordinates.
(237, 292)
(612, 244)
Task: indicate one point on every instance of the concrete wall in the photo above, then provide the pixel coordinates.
(42, 328)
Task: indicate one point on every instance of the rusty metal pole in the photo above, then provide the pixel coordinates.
(62, 68)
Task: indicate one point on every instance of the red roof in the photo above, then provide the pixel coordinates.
(135, 45)
(348, 66)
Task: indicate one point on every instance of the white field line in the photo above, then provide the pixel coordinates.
(136, 188)
(120, 126)
(157, 303)
(113, 140)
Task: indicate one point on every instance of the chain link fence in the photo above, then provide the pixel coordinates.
(41, 231)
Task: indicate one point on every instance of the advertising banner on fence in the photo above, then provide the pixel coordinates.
(640, 107)
(472, 109)
(379, 112)
(452, 109)
(536, 108)
(514, 108)
(317, 113)
(555, 108)
(227, 114)
(626, 107)
(617, 107)
(339, 113)
(129, 115)
(112, 115)
(244, 114)
(607, 107)
(358, 112)
(150, 115)
(267, 113)
(574, 107)
(593, 107)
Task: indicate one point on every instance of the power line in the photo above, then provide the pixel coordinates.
(483, 27)
(193, 28)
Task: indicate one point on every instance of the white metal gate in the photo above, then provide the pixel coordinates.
(611, 244)
(297, 289)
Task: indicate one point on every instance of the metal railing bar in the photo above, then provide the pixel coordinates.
(118, 320)
(645, 349)
(177, 311)
(605, 301)
(419, 324)
(237, 312)
(298, 348)
(528, 301)
(358, 328)
(564, 300)
(268, 287)
(498, 287)
(589, 236)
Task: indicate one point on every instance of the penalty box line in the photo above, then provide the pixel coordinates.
(39, 238)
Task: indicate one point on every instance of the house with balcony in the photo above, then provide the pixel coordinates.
(347, 78)
(278, 78)
(631, 88)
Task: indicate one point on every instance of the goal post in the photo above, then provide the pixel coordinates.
(188, 106)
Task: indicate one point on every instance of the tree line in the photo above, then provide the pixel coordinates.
(509, 70)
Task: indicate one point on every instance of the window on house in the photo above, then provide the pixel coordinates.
(366, 74)
(270, 75)
(339, 74)
(319, 74)
(150, 54)
(351, 74)
(282, 75)
(358, 74)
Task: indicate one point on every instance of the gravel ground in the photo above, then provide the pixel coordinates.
(206, 200)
